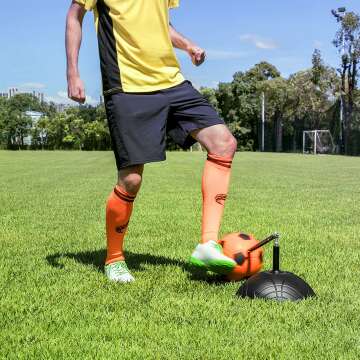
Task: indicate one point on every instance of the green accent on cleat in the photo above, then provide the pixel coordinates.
(198, 263)
(210, 257)
(221, 266)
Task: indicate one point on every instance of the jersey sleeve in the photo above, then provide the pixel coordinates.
(87, 4)
(173, 3)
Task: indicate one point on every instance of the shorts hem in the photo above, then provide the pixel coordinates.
(140, 162)
(190, 141)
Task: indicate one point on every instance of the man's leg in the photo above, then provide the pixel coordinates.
(118, 212)
(192, 118)
(221, 147)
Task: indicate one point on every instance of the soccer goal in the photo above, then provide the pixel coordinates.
(318, 142)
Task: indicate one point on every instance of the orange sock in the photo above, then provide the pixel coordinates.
(118, 211)
(215, 185)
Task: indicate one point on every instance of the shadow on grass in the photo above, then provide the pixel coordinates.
(135, 262)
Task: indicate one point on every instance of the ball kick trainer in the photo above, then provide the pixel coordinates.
(275, 284)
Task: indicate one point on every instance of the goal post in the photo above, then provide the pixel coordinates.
(318, 142)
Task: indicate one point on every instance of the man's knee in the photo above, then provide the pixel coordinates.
(217, 140)
(131, 183)
(225, 145)
(130, 178)
(232, 145)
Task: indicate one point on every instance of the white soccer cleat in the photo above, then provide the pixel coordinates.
(118, 272)
(209, 256)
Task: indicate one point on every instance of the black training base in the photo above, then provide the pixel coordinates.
(275, 285)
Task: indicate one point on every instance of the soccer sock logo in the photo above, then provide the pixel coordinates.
(118, 212)
(120, 229)
(215, 184)
(220, 199)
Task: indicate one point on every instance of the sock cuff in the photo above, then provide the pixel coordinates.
(123, 195)
(220, 160)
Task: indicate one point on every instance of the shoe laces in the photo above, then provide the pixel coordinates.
(217, 246)
(120, 268)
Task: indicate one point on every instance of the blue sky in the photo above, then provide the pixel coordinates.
(235, 33)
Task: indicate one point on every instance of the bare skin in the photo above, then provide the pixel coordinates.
(73, 37)
(179, 41)
(217, 139)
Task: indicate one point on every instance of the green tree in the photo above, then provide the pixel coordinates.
(210, 95)
(308, 103)
(277, 93)
(15, 125)
(3, 117)
(240, 103)
(15, 128)
(64, 131)
(347, 41)
(24, 102)
(227, 103)
(39, 134)
(55, 130)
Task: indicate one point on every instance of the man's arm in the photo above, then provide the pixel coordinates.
(179, 41)
(75, 16)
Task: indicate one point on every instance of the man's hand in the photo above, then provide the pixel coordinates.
(197, 55)
(76, 89)
(179, 41)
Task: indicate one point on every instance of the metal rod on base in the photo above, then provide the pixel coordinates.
(276, 255)
(264, 242)
(275, 284)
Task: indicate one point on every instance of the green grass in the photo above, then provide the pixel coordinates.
(56, 303)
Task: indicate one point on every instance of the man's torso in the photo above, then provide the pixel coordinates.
(136, 52)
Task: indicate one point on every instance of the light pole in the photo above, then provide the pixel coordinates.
(263, 122)
(339, 15)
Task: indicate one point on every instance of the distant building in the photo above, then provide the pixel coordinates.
(35, 116)
(38, 95)
(15, 91)
(63, 107)
(12, 92)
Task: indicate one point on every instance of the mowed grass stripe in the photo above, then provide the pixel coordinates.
(56, 303)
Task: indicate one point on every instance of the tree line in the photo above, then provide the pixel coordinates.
(318, 98)
(76, 128)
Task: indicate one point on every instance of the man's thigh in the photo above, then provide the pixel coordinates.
(137, 124)
(189, 112)
(211, 136)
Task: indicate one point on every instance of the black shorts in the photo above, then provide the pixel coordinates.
(138, 123)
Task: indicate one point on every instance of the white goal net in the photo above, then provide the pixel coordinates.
(318, 142)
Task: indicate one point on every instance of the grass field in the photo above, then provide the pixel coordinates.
(56, 303)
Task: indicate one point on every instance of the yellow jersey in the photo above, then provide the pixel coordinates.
(136, 53)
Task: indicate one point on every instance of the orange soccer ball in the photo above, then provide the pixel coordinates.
(236, 246)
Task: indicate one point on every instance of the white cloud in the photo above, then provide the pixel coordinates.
(91, 101)
(61, 97)
(32, 86)
(259, 42)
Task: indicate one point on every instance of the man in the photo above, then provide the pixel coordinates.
(146, 96)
